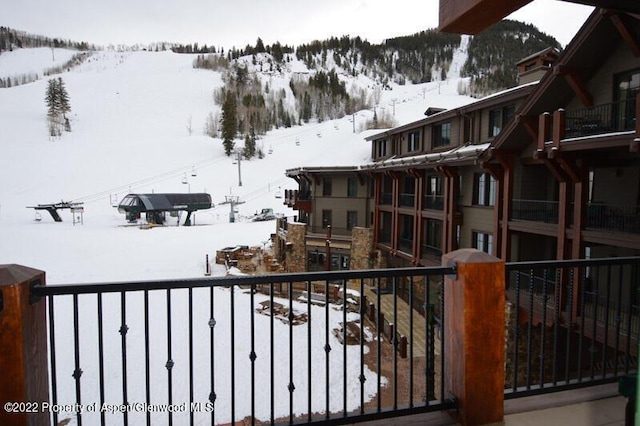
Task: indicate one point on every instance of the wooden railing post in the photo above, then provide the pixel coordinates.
(24, 371)
(475, 335)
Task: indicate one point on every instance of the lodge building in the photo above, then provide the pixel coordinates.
(547, 170)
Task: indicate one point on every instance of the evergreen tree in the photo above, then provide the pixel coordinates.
(53, 109)
(229, 122)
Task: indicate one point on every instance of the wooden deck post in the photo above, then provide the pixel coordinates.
(474, 328)
(24, 370)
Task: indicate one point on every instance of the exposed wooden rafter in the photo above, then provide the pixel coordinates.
(625, 33)
(415, 173)
(574, 79)
(530, 124)
(495, 170)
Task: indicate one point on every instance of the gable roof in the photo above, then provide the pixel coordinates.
(593, 44)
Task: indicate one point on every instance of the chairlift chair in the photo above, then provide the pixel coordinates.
(38, 216)
(193, 171)
(184, 179)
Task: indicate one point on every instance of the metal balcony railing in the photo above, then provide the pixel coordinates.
(600, 119)
(534, 210)
(574, 323)
(433, 202)
(616, 218)
(268, 348)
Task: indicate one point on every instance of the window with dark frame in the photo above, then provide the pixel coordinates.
(484, 189)
(413, 141)
(498, 118)
(442, 135)
(382, 148)
(352, 187)
(482, 241)
(352, 219)
(326, 187)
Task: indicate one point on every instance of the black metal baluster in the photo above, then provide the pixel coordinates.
(570, 319)
(618, 321)
(271, 356)
(147, 369)
(77, 373)
(594, 327)
(212, 351)
(583, 313)
(123, 333)
(362, 377)
(292, 387)
(327, 347)
(169, 364)
(516, 334)
(605, 342)
(394, 343)
(233, 356)
(101, 356)
(543, 326)
(378, 347)
(429, 388)
(556, 321)
(530, 329)
(411, 283)
(190, 293)
(52, 345)
(252, 354)
(309, 383)
(442, 339)
(344, 348)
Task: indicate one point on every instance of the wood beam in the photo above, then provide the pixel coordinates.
(576, 82)
(559, 128)
(626, 34)
(529, 124)
(473, 16)
(635, 144)
(495, 170)
(544, 122)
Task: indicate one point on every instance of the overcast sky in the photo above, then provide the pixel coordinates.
(227, 23)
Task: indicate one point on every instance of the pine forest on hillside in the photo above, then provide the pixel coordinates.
(321, 92)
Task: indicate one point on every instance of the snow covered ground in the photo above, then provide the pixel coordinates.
(130, 113)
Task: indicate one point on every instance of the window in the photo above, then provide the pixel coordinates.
(382, 148)
(326, 218)
(352, 219)
(482, 241)
(413, 143)
(498, 118)
(484, 189)
(442, 135)
(326, 186)
(432, 236)
(352, 187)
(434, 198)
(627, 88)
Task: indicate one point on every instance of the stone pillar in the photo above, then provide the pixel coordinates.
(24, 367)
(296, 256)
(361, 248)
(474, 333)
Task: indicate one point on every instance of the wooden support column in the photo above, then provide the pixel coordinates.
(497, 172)
(377, 190)
(559, 128)
(563, 209)
(417, 216)
(451, 194)
(474, 334)
(507, 161)
(544, 122)
(24, 367)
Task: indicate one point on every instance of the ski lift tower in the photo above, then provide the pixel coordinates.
(232, 200)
